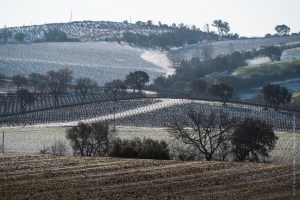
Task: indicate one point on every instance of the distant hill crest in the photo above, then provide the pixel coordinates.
(89, 30)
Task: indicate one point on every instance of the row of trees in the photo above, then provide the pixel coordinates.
(6, 34)
(56, 35)
(197, 67)
(211, 134)
(54, 82)
(95, 139)
(272, 94)
(282, 30)
(134, 80)
(59, 82)
(180, 35)
(218, 133)
(52, 35)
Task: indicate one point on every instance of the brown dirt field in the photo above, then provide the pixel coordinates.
(27, 176)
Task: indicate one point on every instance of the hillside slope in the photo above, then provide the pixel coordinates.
(101, 61)
(88, 30)
(229, 46)
(43, 177)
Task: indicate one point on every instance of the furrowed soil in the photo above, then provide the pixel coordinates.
(28, 176)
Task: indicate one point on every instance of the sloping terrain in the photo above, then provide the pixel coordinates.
(144, 113)
(88, 30)
(265, 68)
(229, 46)
(101, 61)
(43, 177)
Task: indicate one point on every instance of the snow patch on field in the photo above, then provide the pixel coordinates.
(258, 60)
(160, 59)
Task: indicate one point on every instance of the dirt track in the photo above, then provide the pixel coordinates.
(24, 176)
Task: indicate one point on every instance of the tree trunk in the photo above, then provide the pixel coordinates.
(208, 157)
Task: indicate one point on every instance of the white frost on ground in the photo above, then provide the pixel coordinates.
(258, 60)
(163, 103)
(160, 59)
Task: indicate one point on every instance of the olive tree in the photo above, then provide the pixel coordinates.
(252, 140)
(282, 29)
(222, 91)
(137, 80)
(274, 53)
(275, 95)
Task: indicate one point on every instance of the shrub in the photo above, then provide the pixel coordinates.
(136, 148)
(89, 139)
(58, 148)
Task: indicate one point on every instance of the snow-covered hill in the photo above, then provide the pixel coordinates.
(229, 46)
(101, 61)
(88, 30)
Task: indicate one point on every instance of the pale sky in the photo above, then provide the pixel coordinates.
(246, 17)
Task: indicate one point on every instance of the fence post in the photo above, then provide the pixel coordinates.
(294, 155)
(115, 101)
(3, 142)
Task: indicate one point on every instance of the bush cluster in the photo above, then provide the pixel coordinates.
(143, 149)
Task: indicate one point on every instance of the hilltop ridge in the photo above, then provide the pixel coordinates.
(89, 30)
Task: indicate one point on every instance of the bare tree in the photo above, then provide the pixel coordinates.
(206, 132)
(59, 148)
(83, 86)
(19, 80)
(58, 82)
(207, 52)
(24, 97)
(37, 79)
(206, 28)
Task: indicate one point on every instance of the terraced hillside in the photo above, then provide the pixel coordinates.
(43, 177)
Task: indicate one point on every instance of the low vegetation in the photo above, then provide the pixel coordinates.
(89, 139)
(268, 69)
(274, 95)
(209, 133)
(212, 69)
(142, 149)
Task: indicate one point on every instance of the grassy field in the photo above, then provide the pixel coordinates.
(291, 54)
(25, 176)
(296, 94)
(264, 69)
(32, 140)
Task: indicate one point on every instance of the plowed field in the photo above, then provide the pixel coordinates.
(26, 176)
